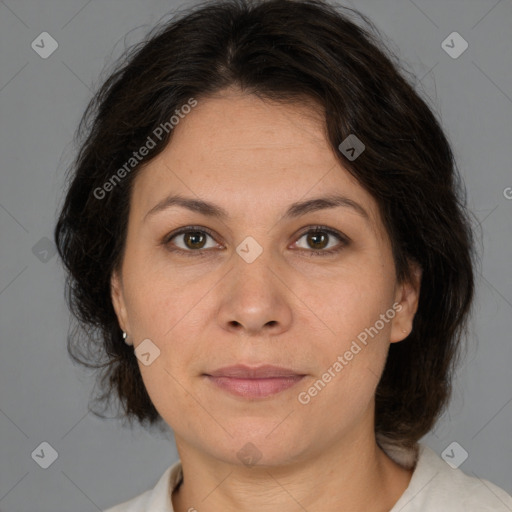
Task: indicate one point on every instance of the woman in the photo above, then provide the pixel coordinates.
(265, 239)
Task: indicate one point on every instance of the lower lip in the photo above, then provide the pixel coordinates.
(255, 388)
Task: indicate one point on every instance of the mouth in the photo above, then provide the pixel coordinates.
(253, 383)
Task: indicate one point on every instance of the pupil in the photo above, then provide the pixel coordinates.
(314, 235)
(193, 235)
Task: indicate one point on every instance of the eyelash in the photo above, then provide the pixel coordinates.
(201, 252)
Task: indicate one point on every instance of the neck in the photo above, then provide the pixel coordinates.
(351, 475)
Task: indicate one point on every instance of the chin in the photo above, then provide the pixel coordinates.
(260, 446)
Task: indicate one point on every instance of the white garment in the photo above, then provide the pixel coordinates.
(434, 487)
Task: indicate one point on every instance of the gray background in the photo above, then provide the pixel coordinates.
(44, 397)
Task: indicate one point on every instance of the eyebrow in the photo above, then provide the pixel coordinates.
(295, 210)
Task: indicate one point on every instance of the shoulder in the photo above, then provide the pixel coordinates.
(436, 486)
(157, 498)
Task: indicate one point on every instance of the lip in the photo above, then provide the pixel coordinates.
(256, 382)
(258, 372)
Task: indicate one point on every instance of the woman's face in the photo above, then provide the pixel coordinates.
(248, 288)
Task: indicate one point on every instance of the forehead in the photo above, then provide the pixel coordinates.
(241, 151)
(248, 133)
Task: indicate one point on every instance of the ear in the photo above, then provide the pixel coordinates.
(407, 296)
(117, 295)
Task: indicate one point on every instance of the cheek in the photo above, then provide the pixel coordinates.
(344, 388)
(156, 303)
(348, 306)
(352, 351)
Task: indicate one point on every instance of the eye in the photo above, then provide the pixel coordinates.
(317, 238)
(193, 240)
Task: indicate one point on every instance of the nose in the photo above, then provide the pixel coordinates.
(254, 299)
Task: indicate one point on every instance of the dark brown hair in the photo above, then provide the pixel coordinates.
(286, 51)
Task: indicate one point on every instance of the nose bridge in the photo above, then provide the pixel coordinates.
(253, 298)
(253, 265)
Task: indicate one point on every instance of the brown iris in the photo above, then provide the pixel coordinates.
(191, 238)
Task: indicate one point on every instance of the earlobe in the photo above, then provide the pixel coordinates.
(408, 294)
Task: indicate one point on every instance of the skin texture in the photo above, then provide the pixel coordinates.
(287, 308)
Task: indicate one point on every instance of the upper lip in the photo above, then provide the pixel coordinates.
(258, 372)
